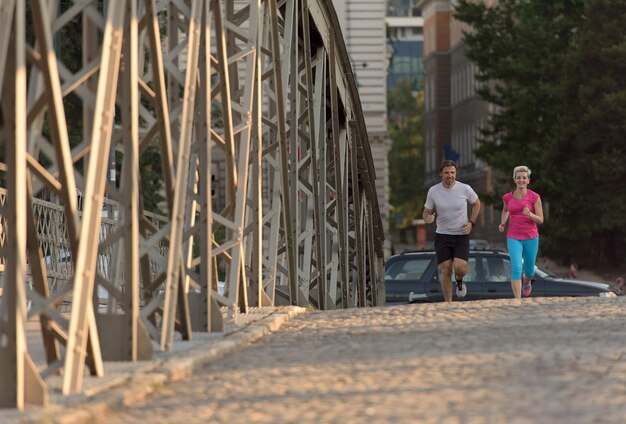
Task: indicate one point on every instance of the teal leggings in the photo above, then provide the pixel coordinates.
(523, 248)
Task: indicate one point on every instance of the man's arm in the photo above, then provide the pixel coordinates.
(475, 211)
(469, 225)
(428, 215)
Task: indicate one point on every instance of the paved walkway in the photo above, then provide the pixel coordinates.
(550, 360)
(127, 382)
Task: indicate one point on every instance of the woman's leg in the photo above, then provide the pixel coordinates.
(515, 252)
(530, 248)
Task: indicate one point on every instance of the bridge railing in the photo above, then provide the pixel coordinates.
(50, 219)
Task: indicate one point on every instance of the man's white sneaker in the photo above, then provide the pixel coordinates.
(461, 288)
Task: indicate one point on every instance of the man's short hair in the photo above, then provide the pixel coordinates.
(447, 163)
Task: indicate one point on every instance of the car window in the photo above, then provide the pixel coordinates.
(407, 269)
(471, 271)
(497, 269)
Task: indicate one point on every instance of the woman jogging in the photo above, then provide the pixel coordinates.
(522, 239)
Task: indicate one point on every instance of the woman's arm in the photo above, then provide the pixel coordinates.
(538, 215)
(503, 217)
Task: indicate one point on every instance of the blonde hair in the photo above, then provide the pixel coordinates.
(521, 168)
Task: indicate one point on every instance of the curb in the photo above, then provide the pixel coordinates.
(85, 408)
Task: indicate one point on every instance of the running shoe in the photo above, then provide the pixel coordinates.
(527, 287)
(461, 288)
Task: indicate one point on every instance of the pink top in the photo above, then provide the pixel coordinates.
(521, 227)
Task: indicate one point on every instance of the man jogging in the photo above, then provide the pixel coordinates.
(447, 201)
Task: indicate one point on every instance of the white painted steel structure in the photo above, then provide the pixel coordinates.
(265, 88)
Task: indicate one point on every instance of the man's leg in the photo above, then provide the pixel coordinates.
(445, 278)
(445, 254)
(460, 268)
(461, 256)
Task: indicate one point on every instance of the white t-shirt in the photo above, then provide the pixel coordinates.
(450, 204)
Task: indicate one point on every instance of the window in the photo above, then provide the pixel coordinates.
(497, 269)
(407, 269)
(471, 271)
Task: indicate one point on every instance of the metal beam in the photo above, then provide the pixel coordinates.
(252, 98)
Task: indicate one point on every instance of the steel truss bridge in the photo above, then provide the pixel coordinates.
(261, 90)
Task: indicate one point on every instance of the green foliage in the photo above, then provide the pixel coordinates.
(520, 49)
(69, 46)
(592, 141)
(151, 178)
(405, 157)
(557, 72)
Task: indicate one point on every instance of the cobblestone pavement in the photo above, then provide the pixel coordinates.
(544, 360)
(126, 382)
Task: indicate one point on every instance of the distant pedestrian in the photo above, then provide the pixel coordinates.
(619, 284)
(524, 208)
(448, 202)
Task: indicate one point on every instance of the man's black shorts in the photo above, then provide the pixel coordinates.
(449, 246)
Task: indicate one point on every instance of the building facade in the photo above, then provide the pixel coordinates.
(364, 32)
(454, 114)
(405, 40)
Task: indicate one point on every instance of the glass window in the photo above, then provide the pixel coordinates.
(471, 271)
(497, 269)
(407, 269)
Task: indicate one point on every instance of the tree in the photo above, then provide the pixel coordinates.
(69, 46)
(151, 179)
(520, 48)
(592, 196)
(557, 71)
(405, 157)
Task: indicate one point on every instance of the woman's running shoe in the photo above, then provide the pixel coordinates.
(527, 288)
(461, 288)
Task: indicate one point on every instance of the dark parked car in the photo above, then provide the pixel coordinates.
(413, 277)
